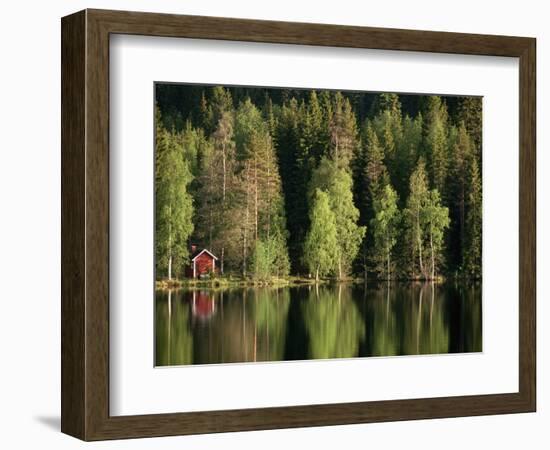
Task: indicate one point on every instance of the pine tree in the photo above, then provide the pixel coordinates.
(225, 185)
(408, 153)
(253, 170)
(343, 132)
(436, 145)
(389, 128)
(472, 260)
(295, 171)
(314, 131)
(376, 171)
(263, 224)
(470, 112)
(213, 106)
(370, 176)
(461, 159)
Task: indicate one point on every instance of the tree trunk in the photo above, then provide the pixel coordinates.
(317, 274)
(387, 302)
(268, 192)
(432, 305)
(210, 225)
(245, 230)
(364, 264)
(419, 241)
(388, 264)
(462, 219)
(432, 249)
(224, 173)
(170, 244)
(169, 326)
(418, 321)
(255, 198)
(223, 198)
(255, 329)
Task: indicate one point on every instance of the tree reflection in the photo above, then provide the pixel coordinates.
(238, 324)
(333, 323)
(249, 325)
(174, 340)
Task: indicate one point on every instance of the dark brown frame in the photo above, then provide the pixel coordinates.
(85, 224)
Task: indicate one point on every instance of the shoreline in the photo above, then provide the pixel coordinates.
(221, 283)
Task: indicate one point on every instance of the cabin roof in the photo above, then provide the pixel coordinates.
(200, 252)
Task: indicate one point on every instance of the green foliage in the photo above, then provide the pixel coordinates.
(269, 258)
(413, 216)
(343, 132)
(212, 107)
(472, 264)
(385, 226)
(435, 218)
(248, 124)
(338, 183)
(408, 154)
(173, 206)
(321, 243)
(263, 259)
(436, 143)
(253, 159)
(470, 113)
(174, 344)
(334, 325)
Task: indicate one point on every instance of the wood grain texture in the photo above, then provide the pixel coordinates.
(73, 226)
(527, 224)
(85, 224)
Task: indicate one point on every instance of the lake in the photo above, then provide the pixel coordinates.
(229, 325)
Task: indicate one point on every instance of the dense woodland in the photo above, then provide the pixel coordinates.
(320, 184)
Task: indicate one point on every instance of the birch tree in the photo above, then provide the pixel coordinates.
(321, 243)
(418, 188)
(173, 205)
(436, 221)
(385, 226)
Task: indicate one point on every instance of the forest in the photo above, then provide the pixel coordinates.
(318, 184)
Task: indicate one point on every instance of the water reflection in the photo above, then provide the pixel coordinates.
(316, 322)
(333, 323)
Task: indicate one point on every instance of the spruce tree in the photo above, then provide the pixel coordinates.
(472, 260)
(343, 132)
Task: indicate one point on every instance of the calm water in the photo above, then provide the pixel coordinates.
(338, 321)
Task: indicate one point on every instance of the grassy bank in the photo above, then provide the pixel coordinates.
(236, 281)
(233, 281)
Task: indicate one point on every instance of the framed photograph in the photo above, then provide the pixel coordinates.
(272, 225)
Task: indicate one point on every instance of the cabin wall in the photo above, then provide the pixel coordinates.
(203, 264)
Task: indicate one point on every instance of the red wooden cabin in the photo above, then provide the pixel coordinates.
(202, 262)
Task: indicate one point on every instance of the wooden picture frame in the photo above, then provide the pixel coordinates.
(85, 224)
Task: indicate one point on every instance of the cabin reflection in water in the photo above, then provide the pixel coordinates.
(209, 326)
(203, 305)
